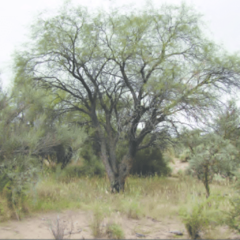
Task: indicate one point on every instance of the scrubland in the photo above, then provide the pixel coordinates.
(160, 200)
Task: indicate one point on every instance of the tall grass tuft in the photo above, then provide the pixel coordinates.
(97, 222)
(114, 231)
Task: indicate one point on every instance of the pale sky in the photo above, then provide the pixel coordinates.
(222, 19)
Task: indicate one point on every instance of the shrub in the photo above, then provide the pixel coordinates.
(194, 220)
(114, 231)
(200, 216)
(92, 164)
(16, 178)
(233, 217)
(185, 156)
(215, 155)
(150, 161)
(5, 212)
(91, 167)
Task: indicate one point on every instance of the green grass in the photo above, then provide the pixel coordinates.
(114, 231)
(98, 216)
(143, 196)
(155, 197)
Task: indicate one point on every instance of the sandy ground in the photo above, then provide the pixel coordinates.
(78, 222)
(177, 166)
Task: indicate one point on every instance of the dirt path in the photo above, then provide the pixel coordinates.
(177, 166)
(38, 226)
(79, 223)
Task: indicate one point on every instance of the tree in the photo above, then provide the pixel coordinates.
(190, 138)
(227, 123)
(28, 132)
(52, 134)
(215, 155)
(132, 75)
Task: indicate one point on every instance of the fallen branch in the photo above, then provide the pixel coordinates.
(70, 232)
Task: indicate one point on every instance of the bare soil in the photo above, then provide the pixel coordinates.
(79, 223)
(177, 166)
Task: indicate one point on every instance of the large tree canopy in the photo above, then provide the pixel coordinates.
(130, 75)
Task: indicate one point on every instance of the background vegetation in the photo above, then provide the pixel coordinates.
(66, 131)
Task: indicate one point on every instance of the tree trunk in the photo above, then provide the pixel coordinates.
(117, 180)
(206, 180)
(123, 171)
(117, 174)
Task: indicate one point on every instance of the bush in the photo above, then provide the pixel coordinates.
(233, 217)
(89, 165)
(92, 164)
(89, 168)
(185, 156)
(5, 212)
(150, 161)
(114, 231)
(215, 156)
(17, 177)
(200, 216)
(194, 220)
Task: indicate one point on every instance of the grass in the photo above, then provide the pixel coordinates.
(154, 197)
(143, 196)
(96, 226)
(114, 231)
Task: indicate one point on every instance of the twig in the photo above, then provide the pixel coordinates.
(70, 232)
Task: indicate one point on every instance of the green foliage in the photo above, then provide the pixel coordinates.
(92, 164)
(93, 167)
(227, 122)
(190, 139)
(17, 177)
(194, 221)
(199, 216)
(96, 227)
(133, 209)
(233, 216)
(119, 72)
(69, 173)
(150, 161)
(90, 168)
(185, 155)
(114, 231)
(5, 212)
(215, 156)
(28, 130)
